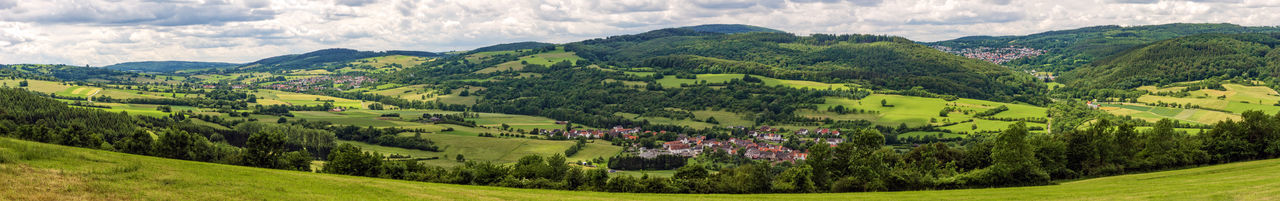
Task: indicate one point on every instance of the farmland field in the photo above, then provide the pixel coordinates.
(291, 98)
(918, 111)
(498, 150)
(51, 172)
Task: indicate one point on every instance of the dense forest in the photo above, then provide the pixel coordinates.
(1068, 49)
(875, 61)
(319, 58)
(166, 66)
(1192, 58)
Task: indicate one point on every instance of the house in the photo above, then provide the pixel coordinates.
(802, 132)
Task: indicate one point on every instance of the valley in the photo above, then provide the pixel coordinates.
(712, 109)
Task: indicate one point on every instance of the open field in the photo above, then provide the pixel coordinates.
(290, 98)
(499, 150)
(38, 171)
(1153, 114)
(672, 81)
(918, 111)
(38, 85)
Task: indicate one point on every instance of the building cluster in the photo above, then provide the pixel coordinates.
(993, 55)
(323, 82)
(617, 131)
(693, 146)
(764, 147)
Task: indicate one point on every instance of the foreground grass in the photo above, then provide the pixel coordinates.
(35, 171)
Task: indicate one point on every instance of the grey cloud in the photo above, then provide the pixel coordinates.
(165, 13)
(354, 3)
(1135, 1)
(855, 2)
(992, 17)
(631, 6)
(724, 4)
(6, 4)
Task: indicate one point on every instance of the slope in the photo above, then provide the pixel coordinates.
(166, 66)
(871, 60)
(321, 58)
(1182, 59)
(730, 28)
(51, 172)
(1068, 49)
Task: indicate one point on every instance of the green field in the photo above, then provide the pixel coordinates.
(273, 97)
(38, 85)
(673, 82)
(36, 171)
(1235, 99)
(498, 150)
(918, 111)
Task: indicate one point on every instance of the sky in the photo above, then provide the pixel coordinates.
(104, 32)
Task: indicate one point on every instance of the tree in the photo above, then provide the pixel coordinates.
(351, 160)
(460, 159)
(264, 149)
(23, 83)
(282, 120)
(798, 179)
(1013, 162)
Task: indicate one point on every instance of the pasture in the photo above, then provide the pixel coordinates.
(36, 171)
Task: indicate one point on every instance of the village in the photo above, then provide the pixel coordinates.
(323, 82)
(993, 55)
(763, 143)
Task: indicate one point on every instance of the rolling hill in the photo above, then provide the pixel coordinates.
(36, 171)
(167, 66)
(512, 46)
(1068, 49)
(730, 28)
(885, 62)
(321, 58)
(1183, 59)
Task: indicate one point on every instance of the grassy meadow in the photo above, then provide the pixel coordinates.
(36, 171)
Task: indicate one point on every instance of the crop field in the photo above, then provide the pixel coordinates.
(36, 171)
(494, 149)
(918, 111)
(373, 118)
(1235, 99)
(38, 85)
(291, 98)
(411, 92)
(673, 82)
(1153, 114)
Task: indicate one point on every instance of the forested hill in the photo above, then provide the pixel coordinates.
(63, 72)
(167, 66)
(512, 46)
(730, 28)
(322, 57)
(1189, 58)
(1068, 49)
(887, 62)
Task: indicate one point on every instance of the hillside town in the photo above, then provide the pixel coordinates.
(323, 82)
(993, 55)
(763, 143)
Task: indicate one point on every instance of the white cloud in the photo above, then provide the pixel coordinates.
(102, 32)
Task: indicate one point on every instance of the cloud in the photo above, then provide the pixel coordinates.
(161, 13)
(102, 32)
